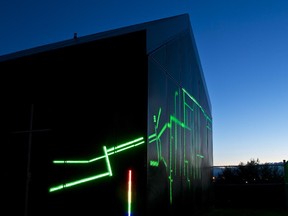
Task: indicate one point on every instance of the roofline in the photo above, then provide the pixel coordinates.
(93, 37)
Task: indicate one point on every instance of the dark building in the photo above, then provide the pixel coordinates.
(117, 122)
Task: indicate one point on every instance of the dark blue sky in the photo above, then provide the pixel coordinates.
(242, 44)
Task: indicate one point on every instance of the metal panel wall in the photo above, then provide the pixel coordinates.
(179, 129)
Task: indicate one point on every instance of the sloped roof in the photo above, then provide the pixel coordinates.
(158, 32)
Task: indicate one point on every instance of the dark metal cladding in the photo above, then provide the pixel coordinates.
(132, 98)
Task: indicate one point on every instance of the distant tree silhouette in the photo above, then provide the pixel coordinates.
(271, 174)
(249, 173)
(252, 172)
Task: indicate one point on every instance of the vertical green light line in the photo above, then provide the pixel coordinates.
(175, 132)
(173, 139)
(107, 161)
(158, 136)
(184, 135)
(191, 146)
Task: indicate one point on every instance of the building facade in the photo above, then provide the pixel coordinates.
(122, 123)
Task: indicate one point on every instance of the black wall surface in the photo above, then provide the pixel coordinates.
(85, 96)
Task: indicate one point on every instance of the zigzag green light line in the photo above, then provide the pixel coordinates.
(107, 152)
(110, 151)
(174, 120)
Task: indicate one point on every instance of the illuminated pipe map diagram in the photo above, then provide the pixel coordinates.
(173, 126)
(190, 162)
(107, 153)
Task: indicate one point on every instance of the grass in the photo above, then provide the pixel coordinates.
(246, 212)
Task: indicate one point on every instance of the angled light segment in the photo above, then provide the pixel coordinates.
(107, 153)
(129, 143)
(110, 151)
(62, 186)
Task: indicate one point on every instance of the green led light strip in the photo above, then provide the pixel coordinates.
(175, 125)
(107, 153)
(70, 184)
(110, 151)
(196, 102)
